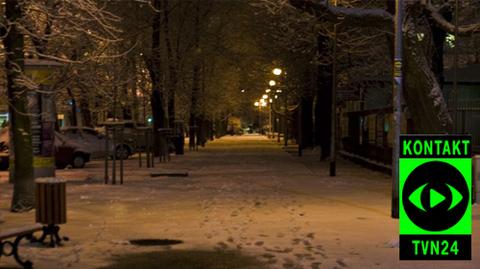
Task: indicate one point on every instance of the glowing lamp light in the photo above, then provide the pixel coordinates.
(268, 90)
(272, 83)
(277, 71)
(265, 96)
(257, 104)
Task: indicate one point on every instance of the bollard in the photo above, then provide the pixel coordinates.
(121, 157)
(139, 150)
(107, 155)
(147, 147)
(114, 165)
(152, 151)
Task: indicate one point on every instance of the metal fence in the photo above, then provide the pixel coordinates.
(468, 120)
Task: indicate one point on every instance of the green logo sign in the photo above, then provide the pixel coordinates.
(435, 197)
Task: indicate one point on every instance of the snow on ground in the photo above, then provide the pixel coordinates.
(243, 194)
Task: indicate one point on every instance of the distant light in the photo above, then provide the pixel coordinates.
(242, 90)
(265, 96)
(277, 71)
(276, 96)
(264, 104)
(257, 104)
(420, 36)
(149, 120)
(279, 91)
(271, 100)
(450, 40)
(268, 90)
(272, 83)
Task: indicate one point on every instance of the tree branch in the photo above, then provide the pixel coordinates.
(450, 27)
(353, 16)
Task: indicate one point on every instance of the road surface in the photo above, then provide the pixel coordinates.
(246, 204)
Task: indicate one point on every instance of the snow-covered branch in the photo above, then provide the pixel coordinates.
(450, 27)
(354, 16)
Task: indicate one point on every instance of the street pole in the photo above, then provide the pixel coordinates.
(397, 104)
(455, 74)
(285, 122)
(270, 120)
(333, 123)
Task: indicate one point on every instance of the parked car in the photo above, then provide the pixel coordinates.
(67, 152)
(132, 138)
(89, 138)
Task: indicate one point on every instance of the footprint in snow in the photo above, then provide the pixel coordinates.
(342, 263)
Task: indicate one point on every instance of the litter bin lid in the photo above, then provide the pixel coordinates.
(49, 180)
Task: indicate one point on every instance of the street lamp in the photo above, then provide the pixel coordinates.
(272, 83)
(277, 71)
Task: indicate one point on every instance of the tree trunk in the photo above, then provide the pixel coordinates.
(438, 38)
(423, 93)
(172, 66)
(323, 101)
(73, 108)
(194, 122)
(155, 70)
(306, 121)
(21, 143)
(85, 113)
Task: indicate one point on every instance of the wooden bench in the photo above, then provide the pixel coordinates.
(10, 248)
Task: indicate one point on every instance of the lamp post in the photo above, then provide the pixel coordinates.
(455, 72)
(333, 127)
(257, 105)
(278, 72)
(270, 124)
(397, 104)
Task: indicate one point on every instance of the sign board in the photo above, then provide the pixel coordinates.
(435, 197)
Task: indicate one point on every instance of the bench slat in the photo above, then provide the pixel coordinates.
(20, 231)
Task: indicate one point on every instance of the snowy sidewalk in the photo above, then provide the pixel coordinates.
(244, 194)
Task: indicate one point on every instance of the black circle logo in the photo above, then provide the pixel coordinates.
(435, 196)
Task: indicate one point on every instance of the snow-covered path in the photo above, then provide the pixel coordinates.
(244, 194)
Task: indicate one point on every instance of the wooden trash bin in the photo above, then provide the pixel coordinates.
(51, 208)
